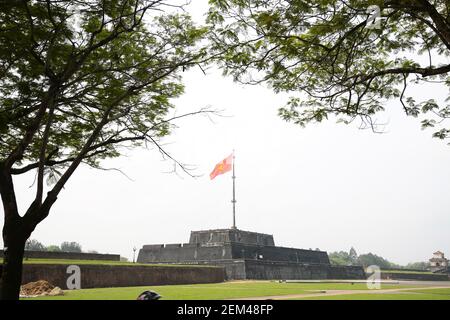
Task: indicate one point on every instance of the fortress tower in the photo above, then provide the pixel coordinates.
(248, 255)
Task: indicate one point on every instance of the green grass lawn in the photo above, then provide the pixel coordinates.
(407, 272)
(216, 291)
(445, 291)
(384, 296)
(417, 294)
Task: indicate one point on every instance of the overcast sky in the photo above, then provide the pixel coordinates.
(326, 186)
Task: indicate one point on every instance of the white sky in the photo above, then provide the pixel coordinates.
(326, 186)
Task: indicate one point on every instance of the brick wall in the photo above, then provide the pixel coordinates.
(414, 276)
(296, 271)
(103, 276)
(192, 252)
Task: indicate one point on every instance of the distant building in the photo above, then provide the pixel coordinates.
(438, 262)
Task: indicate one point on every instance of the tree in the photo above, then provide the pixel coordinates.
(341, 258)
(53, 248)
(372, 259)
(351, 258)
(344, 258)
(339, 61)
(70, 247)
(422, 265)
(34, 245)
(80, 81)
(353, 255)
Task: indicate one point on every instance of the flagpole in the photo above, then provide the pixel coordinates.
(234, 196)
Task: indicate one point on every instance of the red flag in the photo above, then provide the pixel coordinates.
(222, 167)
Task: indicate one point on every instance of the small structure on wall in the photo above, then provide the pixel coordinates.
(438, 262)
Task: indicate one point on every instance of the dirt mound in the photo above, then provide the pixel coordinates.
(39, 288)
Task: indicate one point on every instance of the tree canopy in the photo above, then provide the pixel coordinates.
(334, 59)
(73, 246)
(34, 245)
(351, 258)
(53, 248)
(79, 80)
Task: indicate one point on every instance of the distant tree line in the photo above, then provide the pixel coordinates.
(66, 246)
(351, 258)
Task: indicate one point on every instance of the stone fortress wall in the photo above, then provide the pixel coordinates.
(176, 253)
(108, 276)
(248, 255)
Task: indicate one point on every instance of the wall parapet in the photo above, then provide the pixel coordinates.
(68, 255)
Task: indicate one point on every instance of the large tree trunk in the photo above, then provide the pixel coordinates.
(15, 234)
(12, 267)
(16, 231)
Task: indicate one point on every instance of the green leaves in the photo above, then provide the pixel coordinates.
(102, 65)
(322, 51)
(429, 105)
(442, 134)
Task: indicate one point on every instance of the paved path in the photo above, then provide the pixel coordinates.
(341, 292)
